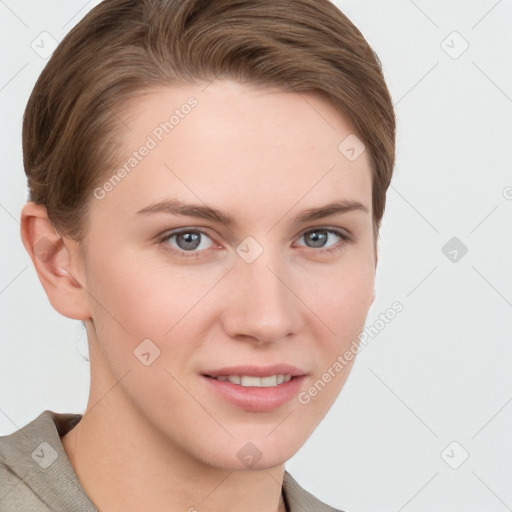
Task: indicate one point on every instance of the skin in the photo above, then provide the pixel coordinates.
(262, 156)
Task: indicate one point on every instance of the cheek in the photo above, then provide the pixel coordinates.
(142, 298)
(342, 295)
(342, 301)
(123, 292)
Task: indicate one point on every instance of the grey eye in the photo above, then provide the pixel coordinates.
(189, 240)
(319, 238)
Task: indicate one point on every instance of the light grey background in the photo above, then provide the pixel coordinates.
(440, 371)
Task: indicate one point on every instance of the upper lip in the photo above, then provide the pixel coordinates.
(257, 371)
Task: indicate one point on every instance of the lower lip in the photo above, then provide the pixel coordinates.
(256, 399)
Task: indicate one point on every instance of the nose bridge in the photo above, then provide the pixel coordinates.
(261, 305)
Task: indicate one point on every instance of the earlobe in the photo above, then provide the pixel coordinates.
(53, 261)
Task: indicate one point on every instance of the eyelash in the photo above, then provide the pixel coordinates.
(345, 238)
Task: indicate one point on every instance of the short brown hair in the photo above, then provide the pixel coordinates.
(123, 47)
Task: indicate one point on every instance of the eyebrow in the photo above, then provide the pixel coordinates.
(176, 207)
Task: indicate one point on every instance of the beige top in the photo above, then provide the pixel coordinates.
(37, 476)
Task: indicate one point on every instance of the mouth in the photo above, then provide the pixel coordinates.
(250, 381)
(256, 389)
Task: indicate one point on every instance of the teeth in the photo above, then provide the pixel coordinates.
(255, 382)
(273, 380)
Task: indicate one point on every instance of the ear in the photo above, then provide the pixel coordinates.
(57, 262)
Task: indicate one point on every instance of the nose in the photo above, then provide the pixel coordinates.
(261, 306)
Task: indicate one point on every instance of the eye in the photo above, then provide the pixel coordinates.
(195, 243)
(187, 241)
(322, 238)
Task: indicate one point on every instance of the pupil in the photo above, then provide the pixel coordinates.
(188, 241)
(318, 238)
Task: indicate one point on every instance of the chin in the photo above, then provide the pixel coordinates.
(260, 453)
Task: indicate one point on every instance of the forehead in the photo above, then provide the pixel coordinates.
(226, 140)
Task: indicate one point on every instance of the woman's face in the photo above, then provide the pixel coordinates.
(227, 269)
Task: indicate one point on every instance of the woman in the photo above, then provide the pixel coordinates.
(207, 182)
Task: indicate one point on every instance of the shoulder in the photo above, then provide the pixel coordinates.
(35, 473)
(299, 500)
